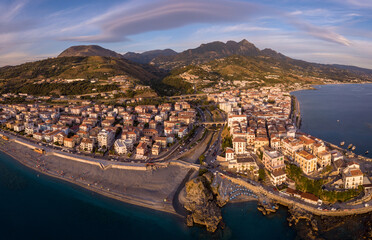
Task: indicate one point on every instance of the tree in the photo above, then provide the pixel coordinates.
(227, 142)
(261, 174)
(201, 159)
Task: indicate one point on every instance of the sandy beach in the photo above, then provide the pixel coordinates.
(153, 189)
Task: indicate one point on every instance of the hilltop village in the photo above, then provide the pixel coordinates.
(250, 136)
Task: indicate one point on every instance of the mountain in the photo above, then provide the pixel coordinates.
(24, 76)
(148, 56)
(207, 52)
(261, 70)
(88, 50)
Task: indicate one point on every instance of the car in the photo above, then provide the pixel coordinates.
(366, 205)
(333, 209)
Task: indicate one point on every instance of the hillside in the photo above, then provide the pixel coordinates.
(147, 57)
(249, 71)
(14, 78)
(88, 50)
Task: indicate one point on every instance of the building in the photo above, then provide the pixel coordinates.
(105, 138)
(290, 146)
(324, 158)
(68, 142)
(141, 149)
(155, 150)
(272, 159)
(243, 164)
(306, 161)
(121, 147)
(352, 176)
(274, 163)
(87, 144)
(278, 177)
(239, 145)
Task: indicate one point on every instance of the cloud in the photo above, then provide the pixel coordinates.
(132, 18)
(320, 32)
(119, 23)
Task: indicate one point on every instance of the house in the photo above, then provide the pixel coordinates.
(278, 176)
(230, 155)
(38, 136)
(49, 135)
(120, 146)
(19, 127)
(352, 176)
(290, 146)
(58, 138)
(141, 149)
(309, 198)
(87, 144)
(150, 132)
(68, 142)
(324, 158)
(261, 142)
(244, 163)
(162, 141)
(155, 150)
(306, 161)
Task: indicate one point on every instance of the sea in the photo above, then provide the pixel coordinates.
(35, 206)
(339, 113)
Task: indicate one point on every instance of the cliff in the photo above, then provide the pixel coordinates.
(204, 202)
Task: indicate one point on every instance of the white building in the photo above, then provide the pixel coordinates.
(240, 145)
(352, 176)
(123, 146)
(105, 138)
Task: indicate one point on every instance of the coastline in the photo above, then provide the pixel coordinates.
(133, 200)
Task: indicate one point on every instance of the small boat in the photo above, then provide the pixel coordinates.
(342, 143)
(366, 152)
(353, 148)
(350, 146)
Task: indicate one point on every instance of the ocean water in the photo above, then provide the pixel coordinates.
(339, 113)
(33, 207)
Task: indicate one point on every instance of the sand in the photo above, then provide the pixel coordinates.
(151, 188)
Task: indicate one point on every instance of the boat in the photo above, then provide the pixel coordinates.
(353, 148)
(366, 152)
(342, 143)
(350, 146)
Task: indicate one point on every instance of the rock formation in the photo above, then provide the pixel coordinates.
(204, 202)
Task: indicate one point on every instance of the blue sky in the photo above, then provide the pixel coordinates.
(324, 31)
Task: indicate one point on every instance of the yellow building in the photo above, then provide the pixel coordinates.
(306, 161)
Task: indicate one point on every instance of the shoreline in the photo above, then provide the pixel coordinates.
(167, 207)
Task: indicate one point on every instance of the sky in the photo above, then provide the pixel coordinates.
(322, 31)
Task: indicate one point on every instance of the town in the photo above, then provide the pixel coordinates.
(258, 139)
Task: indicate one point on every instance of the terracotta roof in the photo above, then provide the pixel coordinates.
(238, 139)
(309, 196)
(306, 155)
(356, 172)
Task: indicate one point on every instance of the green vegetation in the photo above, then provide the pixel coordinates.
(261, 174)
(45, 89)
(305, 184)
(93, 67)
(227, 142)
(201, 159)
(202, 171)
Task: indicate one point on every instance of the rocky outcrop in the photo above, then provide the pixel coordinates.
(309, 226)
(203, 202)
